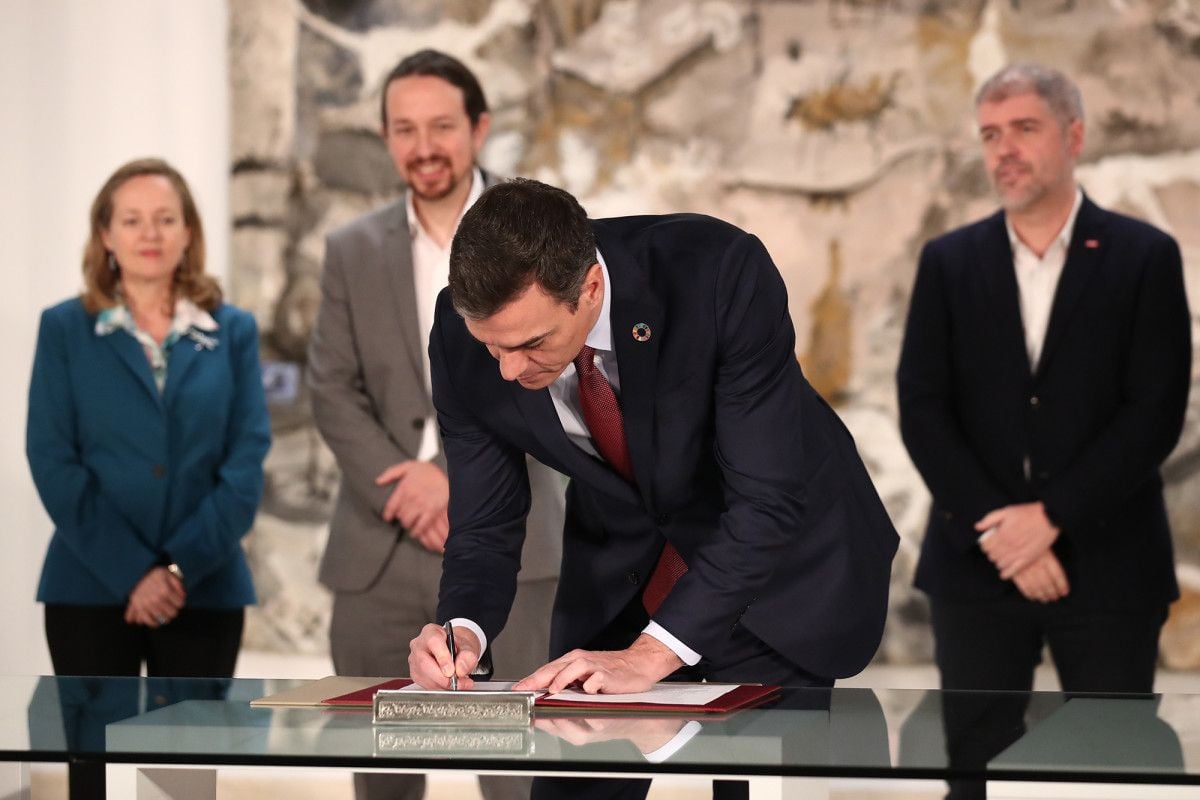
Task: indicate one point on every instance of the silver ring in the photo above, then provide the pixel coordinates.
(160, 619)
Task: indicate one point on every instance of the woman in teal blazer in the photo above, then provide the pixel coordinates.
(146, 434)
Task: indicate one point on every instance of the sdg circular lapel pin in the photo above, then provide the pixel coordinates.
(641, 332)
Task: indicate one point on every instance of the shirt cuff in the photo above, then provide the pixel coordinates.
(463, 622)
(686, 654)
(672, 747)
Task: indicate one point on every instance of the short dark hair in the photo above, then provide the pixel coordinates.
(438, 65)
(519, 232)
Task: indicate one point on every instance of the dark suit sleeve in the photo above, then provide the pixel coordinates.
(489, 501)
(929, 424)
(758, 394)
(205, 539)
(1155, 378)
(344, 413)
(86, 521)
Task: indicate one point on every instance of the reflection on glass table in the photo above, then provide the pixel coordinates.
(862, 734)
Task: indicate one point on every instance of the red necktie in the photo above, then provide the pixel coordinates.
(602, 414)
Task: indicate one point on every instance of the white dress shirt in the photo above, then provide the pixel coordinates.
(565, 389)
(1037, 280)
(431, 273)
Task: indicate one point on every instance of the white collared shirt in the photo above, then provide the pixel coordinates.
(1037, 280)
(565, 389)
(565, 394)
(431, 273)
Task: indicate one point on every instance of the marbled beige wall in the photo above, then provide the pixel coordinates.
(838, 132)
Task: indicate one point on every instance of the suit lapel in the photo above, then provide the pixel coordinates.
(1083, 257)
(395, 260)
(994, 253)
(634, 304)
(130, 351)
(184, 354)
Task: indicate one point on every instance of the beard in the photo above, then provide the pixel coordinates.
(1021, 199)
(436, 191)
(1018, 197)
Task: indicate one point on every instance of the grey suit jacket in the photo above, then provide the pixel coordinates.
(371, 399)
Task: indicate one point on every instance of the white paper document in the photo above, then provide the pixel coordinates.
(669, 694)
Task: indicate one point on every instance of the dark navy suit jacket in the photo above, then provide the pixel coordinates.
(738, 462)
(132, 478)
(1096, 419)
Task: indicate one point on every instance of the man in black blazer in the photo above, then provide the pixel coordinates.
(735, 461)
(1042, 383)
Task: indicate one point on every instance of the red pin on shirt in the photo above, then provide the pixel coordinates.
(1091, 244)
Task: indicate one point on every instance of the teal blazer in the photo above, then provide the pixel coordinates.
(132, 478)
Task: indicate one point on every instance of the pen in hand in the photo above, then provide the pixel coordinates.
(453, 655)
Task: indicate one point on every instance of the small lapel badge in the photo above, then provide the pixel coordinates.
(641, 332)
(1091, 244)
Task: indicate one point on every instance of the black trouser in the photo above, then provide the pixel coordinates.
(997, 645)
(96, 641)
(746, 660)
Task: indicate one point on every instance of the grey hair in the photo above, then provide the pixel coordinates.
(1059, 92)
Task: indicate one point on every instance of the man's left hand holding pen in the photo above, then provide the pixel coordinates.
(431, 662)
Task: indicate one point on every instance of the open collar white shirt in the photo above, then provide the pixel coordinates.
(1037, 280)
(431, 273)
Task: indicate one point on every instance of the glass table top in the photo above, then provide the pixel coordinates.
(847, 732)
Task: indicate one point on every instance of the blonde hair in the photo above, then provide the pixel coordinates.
(100, 281)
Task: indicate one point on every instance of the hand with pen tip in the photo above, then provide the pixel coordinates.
(432, 662)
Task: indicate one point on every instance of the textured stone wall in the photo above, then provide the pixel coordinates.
(838, 132)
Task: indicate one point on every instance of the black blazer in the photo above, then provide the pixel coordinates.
(738, 462)
(1096, 419)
